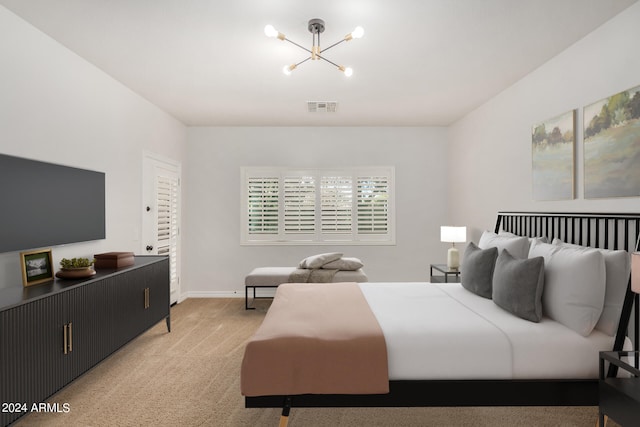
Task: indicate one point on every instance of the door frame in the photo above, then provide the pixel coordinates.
(150, 161)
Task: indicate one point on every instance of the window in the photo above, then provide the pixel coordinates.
(318, 206)
(262, 205)
(299, 204)
(336, 200)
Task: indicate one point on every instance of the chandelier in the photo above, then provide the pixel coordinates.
(316, 27)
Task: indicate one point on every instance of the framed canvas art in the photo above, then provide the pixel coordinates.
(552, 154)
(612, 146)
(36, 267)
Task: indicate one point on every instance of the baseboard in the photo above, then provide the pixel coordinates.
(215, 294)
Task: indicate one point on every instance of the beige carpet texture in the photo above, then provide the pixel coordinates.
(191, 377)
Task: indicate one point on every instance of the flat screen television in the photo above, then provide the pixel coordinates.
(44, 204)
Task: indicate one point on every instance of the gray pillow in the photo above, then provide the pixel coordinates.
(476, 271)
(518, 284)
(344, 264)
(317, 261)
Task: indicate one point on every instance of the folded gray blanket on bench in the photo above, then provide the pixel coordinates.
(306, 275)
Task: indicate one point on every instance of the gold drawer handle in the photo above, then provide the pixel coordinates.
(68, 338)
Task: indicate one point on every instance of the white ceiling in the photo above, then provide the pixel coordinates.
(420, 63)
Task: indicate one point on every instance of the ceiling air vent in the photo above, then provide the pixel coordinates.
(322, 106)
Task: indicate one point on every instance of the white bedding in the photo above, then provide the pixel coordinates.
(443, 331)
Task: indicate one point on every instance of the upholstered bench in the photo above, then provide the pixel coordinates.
(272, 277)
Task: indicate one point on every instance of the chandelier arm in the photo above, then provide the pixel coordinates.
(330, 62)
(300, 46)
(335, 44)
(303, 61)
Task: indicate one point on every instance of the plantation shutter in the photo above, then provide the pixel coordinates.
(336, 204)
(318, 206)
(299, 205)
(263, 205)
(167, 192)
(373, 205)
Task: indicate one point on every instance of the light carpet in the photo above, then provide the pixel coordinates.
(191, 377)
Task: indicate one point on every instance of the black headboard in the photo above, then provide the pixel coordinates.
(599, 230)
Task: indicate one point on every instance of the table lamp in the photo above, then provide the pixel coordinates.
(453, 235)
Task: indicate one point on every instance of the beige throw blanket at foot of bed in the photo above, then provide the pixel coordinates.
(306, 275)
(316, 338)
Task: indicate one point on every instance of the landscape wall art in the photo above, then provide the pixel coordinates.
(612, 146)
(552, 152)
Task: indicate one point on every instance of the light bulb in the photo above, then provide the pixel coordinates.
(287, 69)
(270, 31)
(358, 32)
(348, 71)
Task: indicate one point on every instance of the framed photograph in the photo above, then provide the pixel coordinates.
(37, 267)
(552, 154)
(612, 146)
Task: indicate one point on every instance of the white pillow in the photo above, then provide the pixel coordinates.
(542, 239)
(574, 285)
(344, 264)
(618, 267)
(317, 261)
(517, 246)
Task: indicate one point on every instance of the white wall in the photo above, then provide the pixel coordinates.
(215, 263)
(56, 107)
(490, 149)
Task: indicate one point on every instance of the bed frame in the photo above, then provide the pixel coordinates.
(601, 230)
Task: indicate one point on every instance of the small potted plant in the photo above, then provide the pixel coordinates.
(76, 268)
(76, 264)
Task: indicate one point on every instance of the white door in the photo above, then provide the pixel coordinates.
(161, 215)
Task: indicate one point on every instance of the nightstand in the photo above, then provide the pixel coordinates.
(619, 398)
(446, 272)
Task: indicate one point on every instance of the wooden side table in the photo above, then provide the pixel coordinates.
(446, 272)
(619, 397)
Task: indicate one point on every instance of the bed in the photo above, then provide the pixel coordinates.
(505, 373)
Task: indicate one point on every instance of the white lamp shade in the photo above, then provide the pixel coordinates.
(453, 234)
(635, 272)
